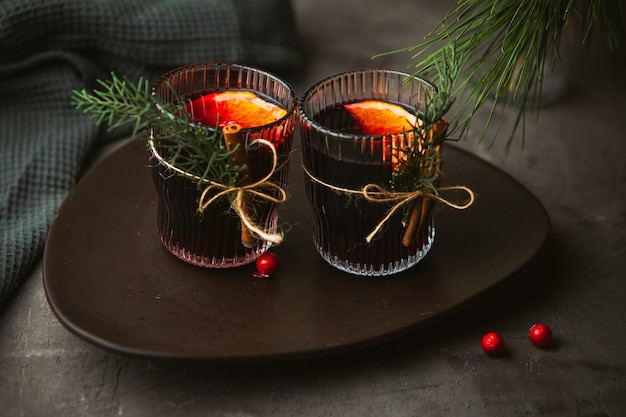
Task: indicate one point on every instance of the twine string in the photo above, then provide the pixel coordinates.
(262, 189)
(376, 194)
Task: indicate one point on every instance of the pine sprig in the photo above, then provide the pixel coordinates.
(195, 149)
(419, 166)
(510, 45)
(120, 103)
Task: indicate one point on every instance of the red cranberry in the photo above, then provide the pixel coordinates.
(267, 264)
(540, 334)
(493, 344)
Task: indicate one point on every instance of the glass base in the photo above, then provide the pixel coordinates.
(214, 262)
(390, 268)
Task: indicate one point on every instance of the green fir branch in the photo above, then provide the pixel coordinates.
(420, 166)
(509, 46)
(197, 150)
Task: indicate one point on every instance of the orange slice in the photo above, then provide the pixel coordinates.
(242, 107)
(377, 117)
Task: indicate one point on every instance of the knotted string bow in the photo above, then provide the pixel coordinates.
(240, 192)
(377, 194)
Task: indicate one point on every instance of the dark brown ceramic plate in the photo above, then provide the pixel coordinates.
(109, 280)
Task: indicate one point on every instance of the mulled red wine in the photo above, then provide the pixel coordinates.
(338, 154)
(213, 237)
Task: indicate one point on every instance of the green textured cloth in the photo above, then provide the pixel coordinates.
(50, 47)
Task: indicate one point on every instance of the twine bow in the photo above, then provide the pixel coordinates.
(240, 192)
(376, 194)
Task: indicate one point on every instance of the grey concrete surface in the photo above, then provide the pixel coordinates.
(573, 160)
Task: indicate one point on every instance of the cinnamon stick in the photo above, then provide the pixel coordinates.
(421, 208)
(233, 136)
(417, 221)
(413, 224)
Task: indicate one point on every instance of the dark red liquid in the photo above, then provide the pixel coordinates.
(343, 220)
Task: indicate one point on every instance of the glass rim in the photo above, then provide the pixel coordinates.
(192, 67)
(309, 121)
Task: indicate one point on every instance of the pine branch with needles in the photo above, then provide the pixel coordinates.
(510, 45)
(197, 150)
(419, 165)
